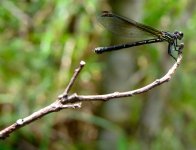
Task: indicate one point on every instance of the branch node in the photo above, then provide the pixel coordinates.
(62, 96)
(157, 81)
(20, 122)
(116, 93)
(75, 105)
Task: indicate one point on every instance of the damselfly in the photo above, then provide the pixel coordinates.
(127, 27)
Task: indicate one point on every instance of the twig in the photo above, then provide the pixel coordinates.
(54, 107)
(72, 101)
(79, 98)
(76, 73)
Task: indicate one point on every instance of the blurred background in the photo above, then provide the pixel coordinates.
(42, 42)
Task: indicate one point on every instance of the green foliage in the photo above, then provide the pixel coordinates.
(42, 42)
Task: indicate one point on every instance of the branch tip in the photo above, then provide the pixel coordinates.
(82, 63)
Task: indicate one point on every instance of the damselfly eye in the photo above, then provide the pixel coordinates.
(179, 34)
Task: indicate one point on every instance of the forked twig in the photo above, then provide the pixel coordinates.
(73, 101)
(105, 97)
(54, 107)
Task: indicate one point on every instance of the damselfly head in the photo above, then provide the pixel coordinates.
(179, 35)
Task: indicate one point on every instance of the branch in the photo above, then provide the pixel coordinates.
(105, 97)
(54, 107)
(75, 75)
(73, 101)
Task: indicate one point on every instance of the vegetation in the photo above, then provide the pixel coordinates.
(42, 42)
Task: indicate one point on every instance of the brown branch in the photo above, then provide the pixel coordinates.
(79, 98)
(54, 107)
(72, 101)
(76, 73)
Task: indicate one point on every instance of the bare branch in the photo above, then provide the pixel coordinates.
(76, 73)
(54, 107)
(79, 98)
(72, 101)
